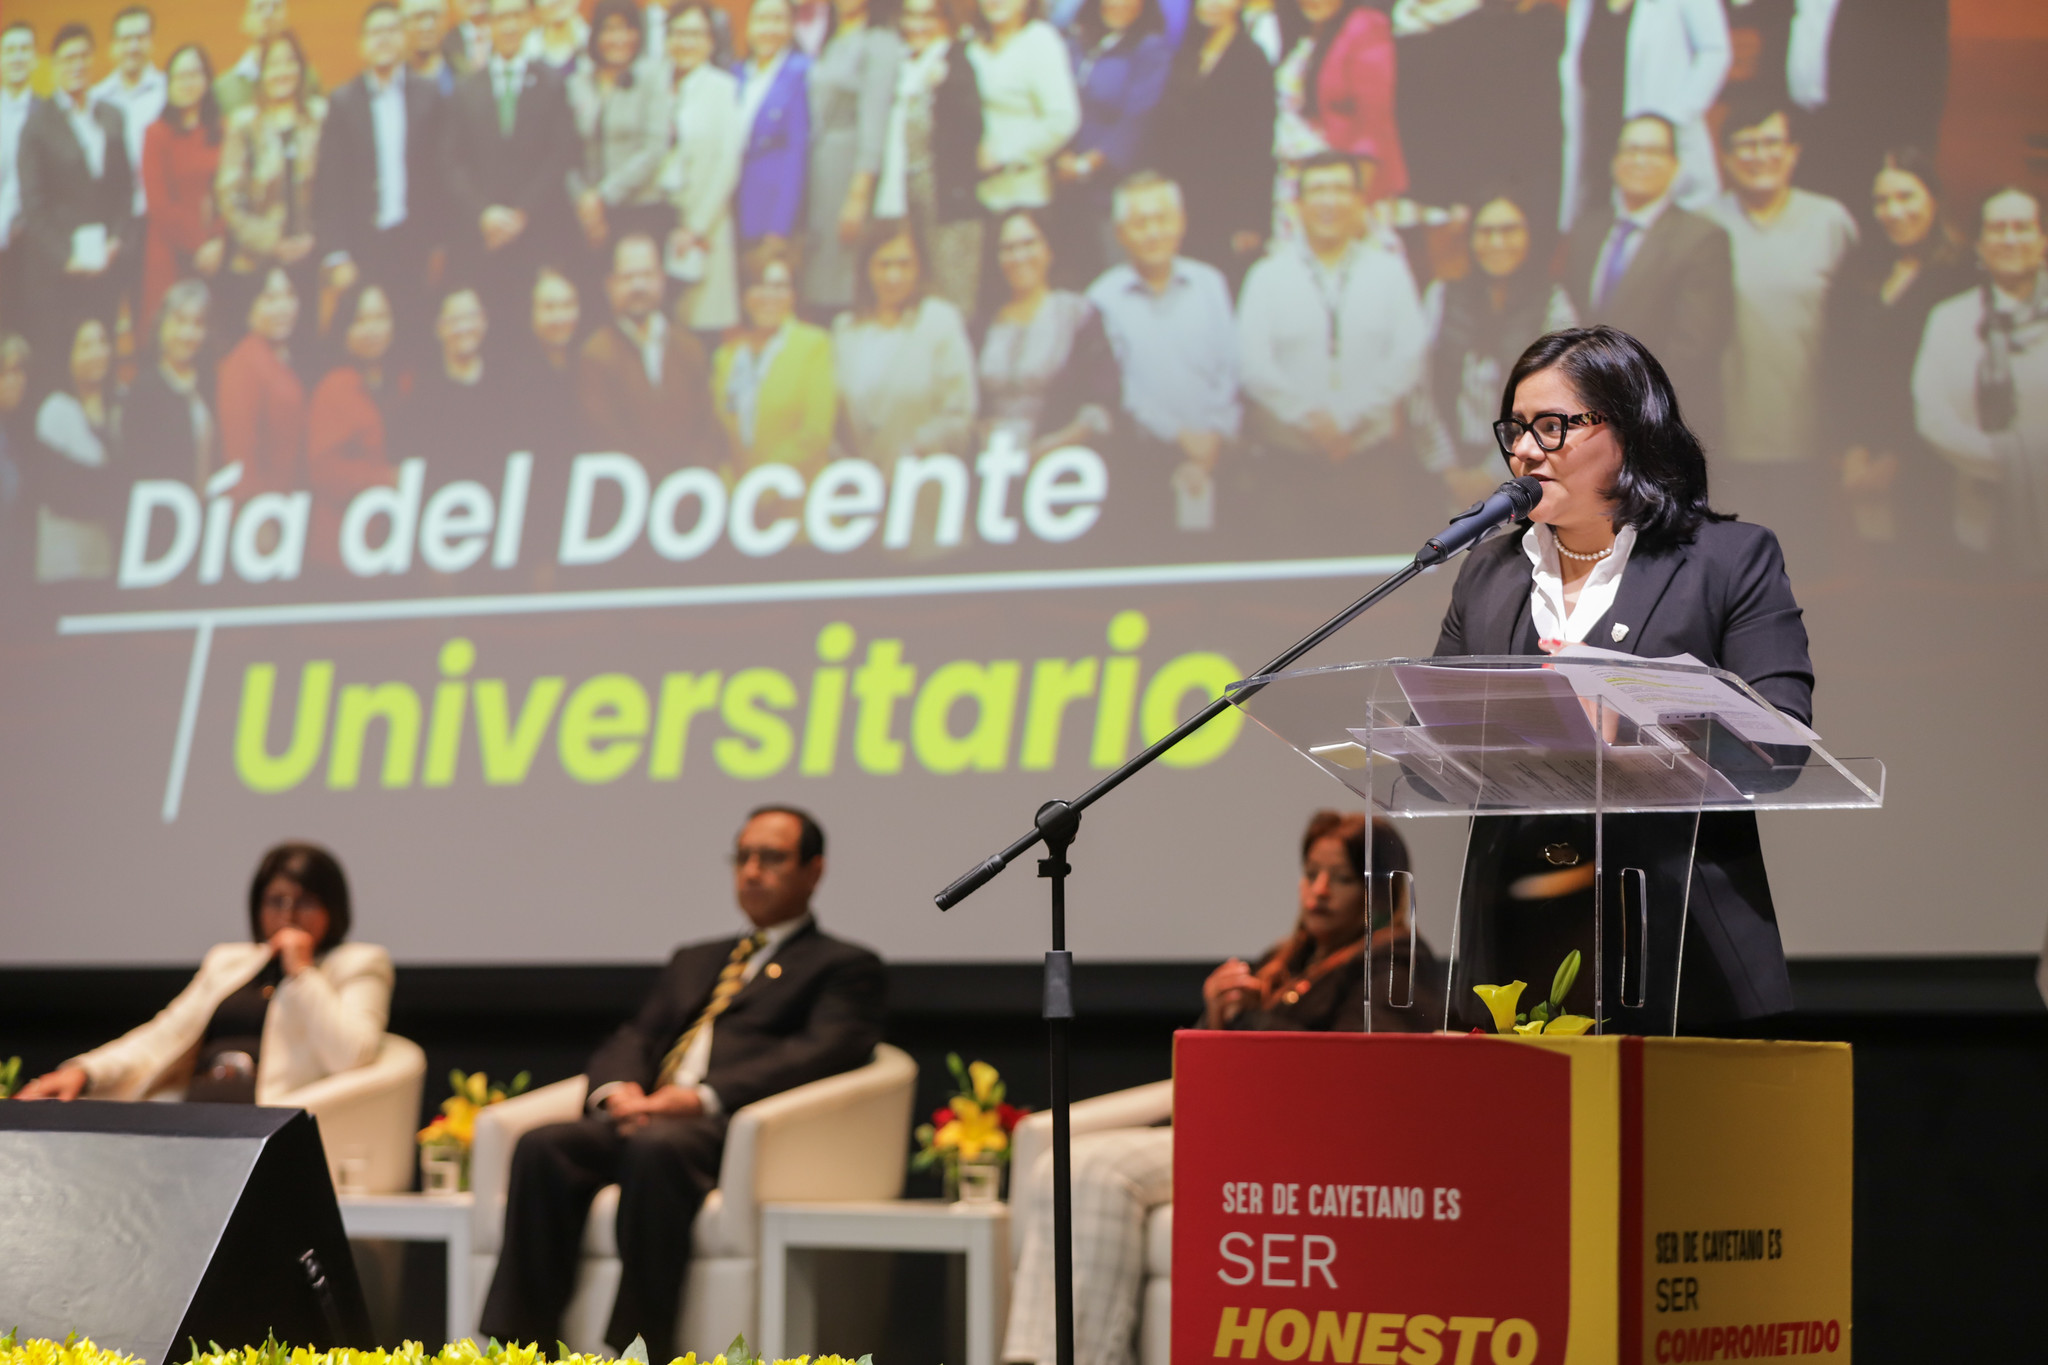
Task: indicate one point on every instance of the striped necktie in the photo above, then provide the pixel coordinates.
(730, 979)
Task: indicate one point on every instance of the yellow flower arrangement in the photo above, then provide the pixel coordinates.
(1548, 1018)
(77, 1350)
(457, 1122)
(976, 1123)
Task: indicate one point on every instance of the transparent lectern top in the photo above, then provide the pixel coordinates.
(1569, 734)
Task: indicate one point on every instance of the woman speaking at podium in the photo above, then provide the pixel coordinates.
(1624, 553)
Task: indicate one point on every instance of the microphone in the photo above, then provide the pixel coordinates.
(1514, 499)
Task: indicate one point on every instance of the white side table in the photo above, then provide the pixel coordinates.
(442, 1218)
(981, 1232)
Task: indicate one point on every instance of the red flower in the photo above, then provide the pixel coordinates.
(1008, 1115)
(942, 1117)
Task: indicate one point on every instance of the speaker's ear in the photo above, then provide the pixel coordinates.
(151, 1224)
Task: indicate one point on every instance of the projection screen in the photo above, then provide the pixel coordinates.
(510, 471)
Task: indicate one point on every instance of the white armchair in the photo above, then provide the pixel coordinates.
(845, 1137)
(370, 1111)
(1139, 1107)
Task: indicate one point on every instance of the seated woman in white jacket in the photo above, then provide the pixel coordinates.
(261, 1018)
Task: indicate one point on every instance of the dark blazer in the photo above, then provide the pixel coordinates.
(1213, 135)
(1725, 599)
(956, 138)
(1677, 297)
(821, 1014)
(58, 193)
(667, 425)
(528, 170)
(153, 429)
(345, 193)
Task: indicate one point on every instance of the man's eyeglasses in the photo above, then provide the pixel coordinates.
(771, 859)
(1548, 428)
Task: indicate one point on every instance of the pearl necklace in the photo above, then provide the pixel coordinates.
(1593, 558)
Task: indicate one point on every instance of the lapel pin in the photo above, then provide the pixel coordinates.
(1620, 632)
(774, 970)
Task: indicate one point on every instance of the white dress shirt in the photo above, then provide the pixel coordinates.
(696, 1063)
(1555, 625)
(652, 344)
(387, 124)
(92, 138)
(138, 104)
(14, 110)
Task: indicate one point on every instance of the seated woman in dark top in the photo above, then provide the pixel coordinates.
(261, 1018)
(1311, 981)
(1314, 979)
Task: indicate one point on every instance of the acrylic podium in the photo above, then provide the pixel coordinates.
(1666, 744)
(1440, 1198)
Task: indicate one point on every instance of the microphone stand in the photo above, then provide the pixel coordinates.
(1056, 825)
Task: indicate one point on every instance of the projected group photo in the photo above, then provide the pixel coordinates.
(384, 298)
(529, 411)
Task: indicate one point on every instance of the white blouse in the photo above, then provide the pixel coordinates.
(1555, 626)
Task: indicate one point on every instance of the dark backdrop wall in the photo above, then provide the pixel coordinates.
(1951, 1102)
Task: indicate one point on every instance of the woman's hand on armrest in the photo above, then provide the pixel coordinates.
(65, 1083)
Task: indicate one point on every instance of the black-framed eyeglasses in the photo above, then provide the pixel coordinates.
(1548, 428)
(771, 859)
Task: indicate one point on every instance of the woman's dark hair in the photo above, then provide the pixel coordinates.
(209, 107)
(978, 22)
(1389, 853)
(1294, 26)
(1662, 487)
(1542, 236)
(616, 9)
(880, 233)
(334, 344)
(1915, 163)
(1944, 244)
(1089, 27)
(107, 384)
(291, 40)
(710, 23)
(318, 875)
(1035, 217)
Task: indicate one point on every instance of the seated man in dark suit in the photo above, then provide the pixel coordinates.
(1658, 272)
(728, 1024)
